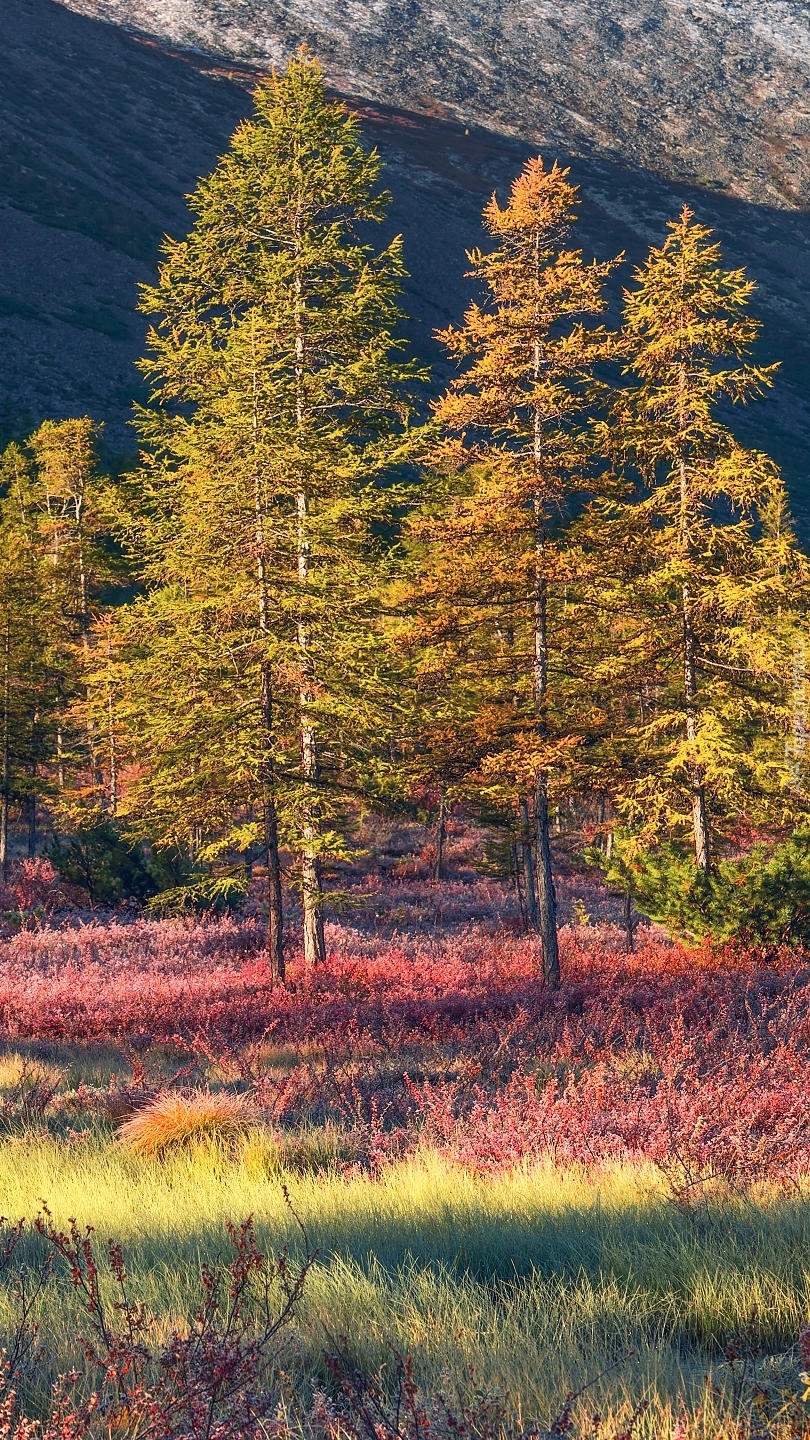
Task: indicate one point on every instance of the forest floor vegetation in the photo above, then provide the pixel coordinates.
(518, 1189)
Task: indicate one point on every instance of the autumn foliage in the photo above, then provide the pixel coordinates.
(697, 1061)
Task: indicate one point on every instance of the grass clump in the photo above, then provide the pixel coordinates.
(175, 1120)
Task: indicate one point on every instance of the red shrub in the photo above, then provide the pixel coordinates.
(697, 1060)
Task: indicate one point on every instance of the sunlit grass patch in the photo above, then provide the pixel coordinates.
(20, 1072)
(537, 1278)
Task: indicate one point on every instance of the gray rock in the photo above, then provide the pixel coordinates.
(714, 91)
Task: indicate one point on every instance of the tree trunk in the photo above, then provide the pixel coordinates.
(275, 906)
(275, 902)
(311, 885)
(700, 816)
(6, 763)
(546, 896)
(113, 757)
(515, 852)
(275, 899)
(60, 739)
(311, 881)
(629, 927)
(527, 855)
(312, 891)
(438, 871)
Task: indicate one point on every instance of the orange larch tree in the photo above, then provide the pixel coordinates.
(514, 452)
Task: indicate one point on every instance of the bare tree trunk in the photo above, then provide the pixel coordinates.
(311, 895)
(438, 871)
(700, 816)
(275, 906)
(113, 758)
(275, 903)
(629, 926)
(311, 883)
(60, 748)
(527, 856)
(311, 880)
(546, 895)
(6, 764)
(275, 899)
(515, 853)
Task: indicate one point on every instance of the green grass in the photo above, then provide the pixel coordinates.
(536, 1279)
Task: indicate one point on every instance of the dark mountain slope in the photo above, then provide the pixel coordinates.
(100, 137)
(102, 133)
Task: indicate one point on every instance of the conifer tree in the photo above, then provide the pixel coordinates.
(53, 564)
(71, 505)
(515, 454)
(25, 691)
(707, 584)
(277, 399)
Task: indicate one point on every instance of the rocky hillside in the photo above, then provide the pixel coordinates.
(102, 133)
(715, 91)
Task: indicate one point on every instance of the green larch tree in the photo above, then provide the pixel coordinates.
(26, 690)
(707, 585)
(278, 399)
(72, 509)
(55, 564)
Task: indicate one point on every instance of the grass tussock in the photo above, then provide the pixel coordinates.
(175, 1120)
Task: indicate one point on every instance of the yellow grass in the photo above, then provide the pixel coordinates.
(15, 1068)
(536, 1279)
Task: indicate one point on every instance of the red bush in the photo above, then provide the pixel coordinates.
(697, 1060)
